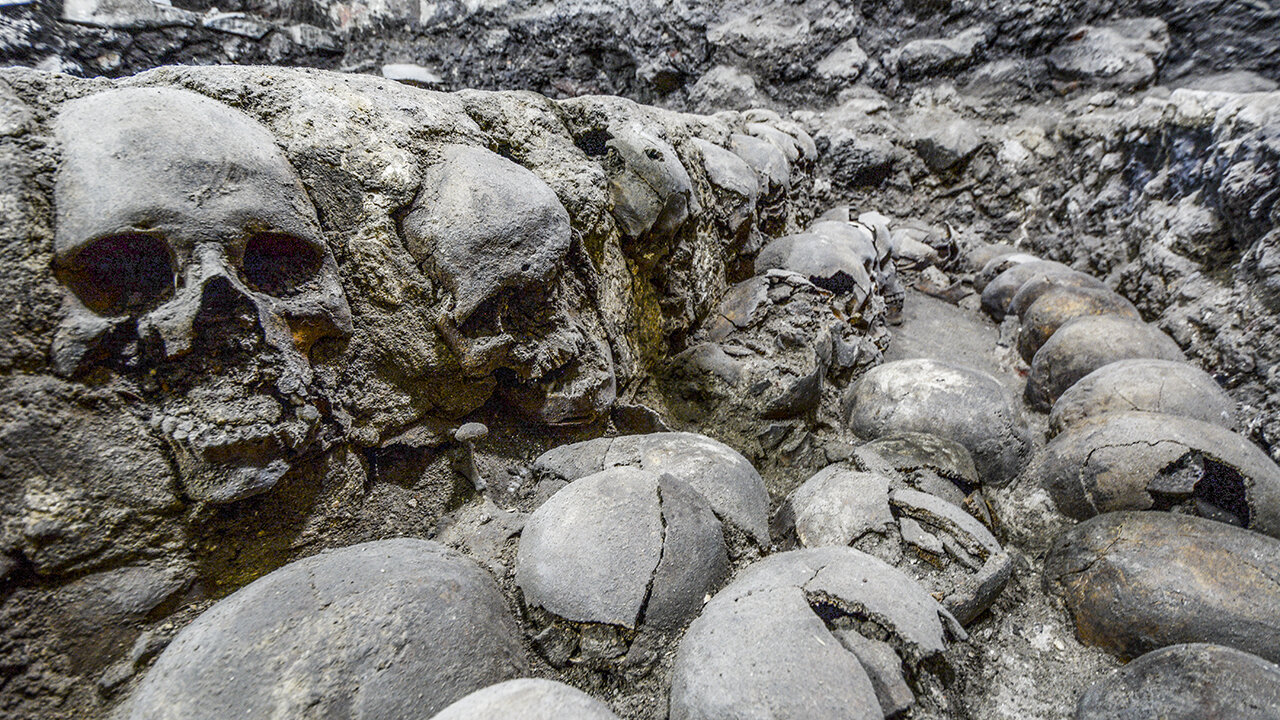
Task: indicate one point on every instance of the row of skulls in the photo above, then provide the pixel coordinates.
(194, 264)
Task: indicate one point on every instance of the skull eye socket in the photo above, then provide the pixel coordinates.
(121, 274)
(276, 263)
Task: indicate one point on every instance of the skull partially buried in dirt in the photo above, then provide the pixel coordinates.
(193, 264)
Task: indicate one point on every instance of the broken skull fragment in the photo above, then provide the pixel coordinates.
(1152, 461)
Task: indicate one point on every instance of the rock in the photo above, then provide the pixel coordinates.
(770, 36)
(727, 480)
(1122, 54)
(944, 144)
(483, 531)
(235, 23)
(651, 191)
(1134, 582)
(1147, 385)
(859, 159)
(527, 699)
(1232, 81)
(761, 115)
(1040, 283)
(999, 291)
(764, 646)
(838, 505)
(1086, 344)
(1141, 461)
(127, 14)
(1061, 305)
(394, 628)
(951, 401)
(830, 264)
(604, 549)
(843, 64)
(769, 163)
(411, 74)
(725, 87)
(313, 38)
(518, 234)
(100, 614)
(934, 56)
(1187, 682)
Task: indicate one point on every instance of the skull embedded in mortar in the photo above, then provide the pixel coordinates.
(194, 266)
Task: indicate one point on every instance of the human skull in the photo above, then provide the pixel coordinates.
(495, 237)
(192, 259)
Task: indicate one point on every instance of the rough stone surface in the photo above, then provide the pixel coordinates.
(1122, 54)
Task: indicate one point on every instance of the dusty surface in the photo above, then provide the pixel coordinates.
(257, 313)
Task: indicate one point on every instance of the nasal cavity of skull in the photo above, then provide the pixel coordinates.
(1203, 485)
(121, 274)
(221, 303)
(278, 264)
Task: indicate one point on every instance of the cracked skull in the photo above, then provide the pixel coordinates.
(193, 264)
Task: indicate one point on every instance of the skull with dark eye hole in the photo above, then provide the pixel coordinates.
(121, 274)
(279, 264)
(194, 264)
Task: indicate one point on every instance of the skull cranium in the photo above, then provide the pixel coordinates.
(184, 236)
